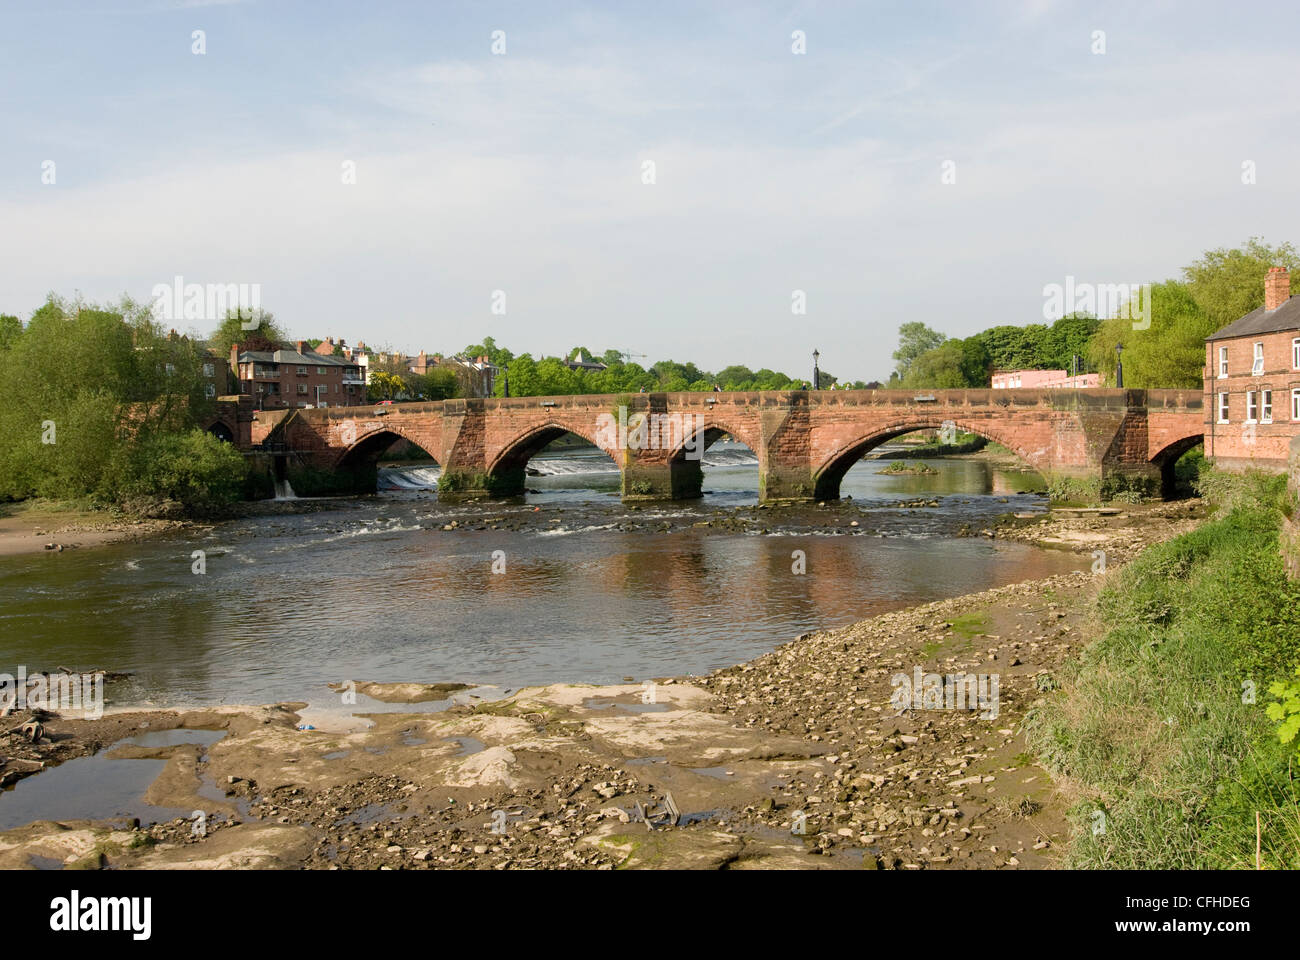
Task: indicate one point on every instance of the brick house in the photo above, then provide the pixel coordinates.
(297, 378)
(1252, 382)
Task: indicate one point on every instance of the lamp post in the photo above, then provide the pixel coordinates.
(506, 378)
(817, 375)
(1119, 365)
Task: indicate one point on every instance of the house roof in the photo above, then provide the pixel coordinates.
(294, 357)
(1285, 317)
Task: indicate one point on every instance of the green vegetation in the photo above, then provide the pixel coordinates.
(102, 405)
(1157, 729)
(1220, 287)
(900, 467)
(549, 376)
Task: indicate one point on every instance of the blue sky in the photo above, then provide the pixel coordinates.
(774, 172)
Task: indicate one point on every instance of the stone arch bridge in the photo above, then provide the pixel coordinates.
(1087, 442)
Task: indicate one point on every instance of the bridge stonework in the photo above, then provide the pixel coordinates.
(1092, 443)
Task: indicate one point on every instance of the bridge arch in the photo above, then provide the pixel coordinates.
(506, 470)
(367, 448)
(685, 462)
(221, 430)
(1167, 457)
(830, 472)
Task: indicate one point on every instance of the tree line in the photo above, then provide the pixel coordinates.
(1220, 286)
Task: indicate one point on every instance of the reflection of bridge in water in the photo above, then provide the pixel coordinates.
(1096, 441)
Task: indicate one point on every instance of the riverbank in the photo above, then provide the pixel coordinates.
(799, 758)
(36, 526)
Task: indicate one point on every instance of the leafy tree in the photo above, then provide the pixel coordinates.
(1228, 284)
(11, 328)
(384, 385)
(90, 390)
(914, 339)
(266, 335)
(1171, 353)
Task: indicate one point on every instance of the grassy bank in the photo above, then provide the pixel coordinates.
(1159, 732)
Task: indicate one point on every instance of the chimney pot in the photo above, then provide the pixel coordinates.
(1277, 288)
(302, 346)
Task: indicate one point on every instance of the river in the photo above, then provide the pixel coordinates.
(591, 590)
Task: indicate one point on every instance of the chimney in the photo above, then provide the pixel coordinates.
(1277, 288)
(302, 347)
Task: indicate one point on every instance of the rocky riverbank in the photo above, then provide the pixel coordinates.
(805, 757)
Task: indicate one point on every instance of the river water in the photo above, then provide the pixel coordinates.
(591, 591)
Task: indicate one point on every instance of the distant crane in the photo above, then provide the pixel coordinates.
(627, 355)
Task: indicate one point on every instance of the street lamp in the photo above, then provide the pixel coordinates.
(506, 391)
(817, 376)
(1119, 365)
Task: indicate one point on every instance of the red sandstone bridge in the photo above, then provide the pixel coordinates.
(1096, 442)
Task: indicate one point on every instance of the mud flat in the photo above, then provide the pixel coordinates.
(798, 759)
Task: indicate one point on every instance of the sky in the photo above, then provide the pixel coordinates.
(941, 162)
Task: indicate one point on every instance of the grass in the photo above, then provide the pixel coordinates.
(1154, 727)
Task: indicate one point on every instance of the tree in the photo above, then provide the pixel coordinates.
(1067, 338)
(11, 328)
(264, 334)
(90, 391)
(384, 385)
(1228, 284)
(1170, 353)
(914, 339)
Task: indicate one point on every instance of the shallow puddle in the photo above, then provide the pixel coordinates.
(98, 787)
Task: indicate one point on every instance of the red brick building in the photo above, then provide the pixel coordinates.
(297, 378)
(1252, 382)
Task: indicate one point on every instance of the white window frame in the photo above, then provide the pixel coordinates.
(1266, 406)
(1252, 406)
(1295, 405)
(1223, 362)
(1295, 354)
(1257, 367)
(209, 370)
(1223, 407)
(210, 391)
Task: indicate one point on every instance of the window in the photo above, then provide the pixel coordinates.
(1252, 406)
(302, 388)
(1295, 354)
(1223, 361)
(302, 370)
(1295, 405)
(1223, 407)
(321, 371)
(1258, 367)
(210, 391)
(209, 370)
(1266, 403)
